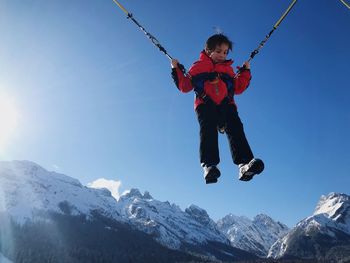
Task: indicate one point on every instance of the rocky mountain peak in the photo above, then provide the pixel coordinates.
(132, 193)
(333, 205)
(255, 235)
(135, 193)
(29, 190)
(325, 233)
(199, 214)
(147, 195)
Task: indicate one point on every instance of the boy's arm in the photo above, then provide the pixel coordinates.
(182, 80)
(241, 82)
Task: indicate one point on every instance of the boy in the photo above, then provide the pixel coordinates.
(214, 82)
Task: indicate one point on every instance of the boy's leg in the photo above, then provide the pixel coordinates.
(208, 148)
(239, 146)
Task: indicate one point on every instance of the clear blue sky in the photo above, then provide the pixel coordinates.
(95, 98)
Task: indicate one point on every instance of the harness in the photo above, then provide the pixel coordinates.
(199, 80)
(198, 84)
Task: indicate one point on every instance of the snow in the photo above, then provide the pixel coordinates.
(168, 222)
(26, 188)
(335, 209)
(252, 235)
(278, 249)
(332, 214)
(330, 204)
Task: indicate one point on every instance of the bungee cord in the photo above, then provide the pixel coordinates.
(157, 44)
(149, 35)
(345, 3)
(262, 43)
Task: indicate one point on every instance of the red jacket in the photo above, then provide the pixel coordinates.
(216, 81)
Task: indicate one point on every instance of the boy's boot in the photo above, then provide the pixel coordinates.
(248, 170)
(211, 174)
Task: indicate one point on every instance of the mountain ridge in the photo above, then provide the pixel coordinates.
(29, 193)
(325, 235)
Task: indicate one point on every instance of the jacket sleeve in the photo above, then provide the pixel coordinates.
(241, 83)
(182, 81)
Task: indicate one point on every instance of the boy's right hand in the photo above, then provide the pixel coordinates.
(246, 65)
(174, 63)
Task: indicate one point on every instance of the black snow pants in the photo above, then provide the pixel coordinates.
(210, 117)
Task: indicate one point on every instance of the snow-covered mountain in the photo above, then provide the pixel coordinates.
(32, 199)
(325, 235)
(167, 222)
(26, 190)
(29, 193)
(255, 236)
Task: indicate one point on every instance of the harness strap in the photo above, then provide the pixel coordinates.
(199, 80)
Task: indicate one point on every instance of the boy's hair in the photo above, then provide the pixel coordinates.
(217, 40)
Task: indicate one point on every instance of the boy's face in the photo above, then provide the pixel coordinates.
(220, 53)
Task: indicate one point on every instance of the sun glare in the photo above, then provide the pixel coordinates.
(8, 119)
